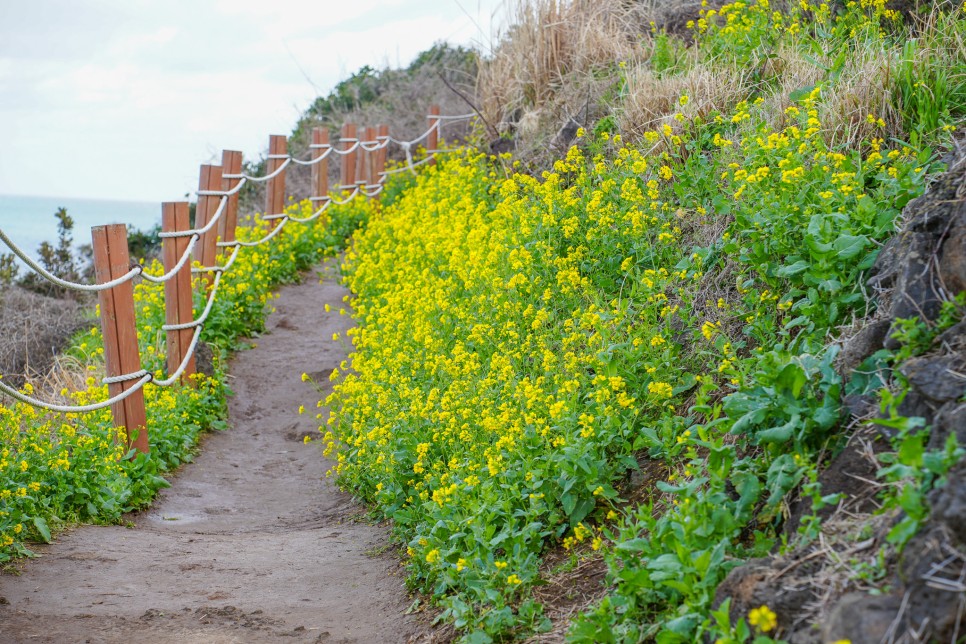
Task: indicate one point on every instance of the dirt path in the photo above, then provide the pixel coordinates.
(250, 544)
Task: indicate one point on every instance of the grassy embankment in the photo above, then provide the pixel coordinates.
(670, 305)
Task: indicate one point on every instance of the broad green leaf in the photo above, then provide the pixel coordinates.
(42, 528)
(848, 246)
(791, 270)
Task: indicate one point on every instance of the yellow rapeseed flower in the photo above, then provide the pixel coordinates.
(763, 618)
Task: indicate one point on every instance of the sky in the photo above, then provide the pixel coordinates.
(122, 99)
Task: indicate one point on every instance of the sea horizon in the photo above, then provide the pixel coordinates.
(29, 219)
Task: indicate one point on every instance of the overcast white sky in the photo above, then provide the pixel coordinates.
(123, 99)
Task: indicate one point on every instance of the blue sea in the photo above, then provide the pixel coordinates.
(28, 221)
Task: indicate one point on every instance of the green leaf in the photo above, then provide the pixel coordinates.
(826, 415)
(582, 509)
(688, 381)
(911, 449)
(747, 422)
(781, 433)
(783, 475)
(790, 270)
(569, 502)
(903, 531)
(478, 637)
(638, 544)
(682, 587)
(848, 246)
(830, 285)
(683, 626)
(792, 377)
(910, 500)
(42, 528)
(796, 95)
(749, 489)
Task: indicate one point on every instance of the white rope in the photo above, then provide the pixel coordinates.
(456, 117)
(404, 144)
(217, 269)
(76, 286)
(209, 304)
(113, 380)
(269, 236)
(370, 146)
(185, 256)
(225, 193)
(76, 409)
(187, 357)
(352, 148)
(325, 155)
(410, 166)
(342, 202)
(408, 148)
(314, 215)
(222, 204)
(274, 174)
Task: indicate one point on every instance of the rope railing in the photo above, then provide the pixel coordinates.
(167, 275)
(222, 205)
(73, 409)
(283, 219)
(315, 215)
(279, 170)
(215, 230)
(74, 286)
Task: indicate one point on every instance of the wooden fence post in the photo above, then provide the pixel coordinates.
(121, 353)
(369, 158)
(382, 135)
(320, 171)
(360, 157)
(348, 178)
(177, 291)
(432, 141)
(207, 247)
(231, 165)
(275, 191)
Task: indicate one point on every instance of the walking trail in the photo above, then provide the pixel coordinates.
(251, 543)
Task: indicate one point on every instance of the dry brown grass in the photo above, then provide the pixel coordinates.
(652, 100)
(863, 87)
(553, 48)
(557, 66)
(33, 330)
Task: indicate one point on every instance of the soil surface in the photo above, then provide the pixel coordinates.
(252, 543)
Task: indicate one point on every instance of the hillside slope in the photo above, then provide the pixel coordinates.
(635, 361)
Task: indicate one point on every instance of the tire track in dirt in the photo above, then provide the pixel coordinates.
(250, 544)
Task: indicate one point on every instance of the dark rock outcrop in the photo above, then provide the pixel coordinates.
(923, 266)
